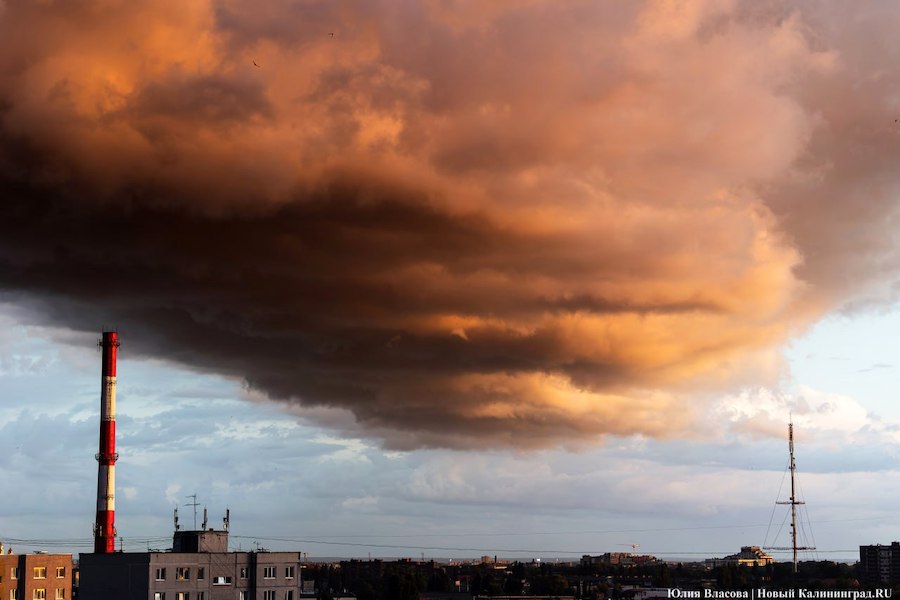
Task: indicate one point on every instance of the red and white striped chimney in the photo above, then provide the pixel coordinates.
(105, 525)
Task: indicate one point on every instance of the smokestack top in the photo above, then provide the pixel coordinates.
(109, 339)
(109, 344)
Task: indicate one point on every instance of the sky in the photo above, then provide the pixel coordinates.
(452, 278)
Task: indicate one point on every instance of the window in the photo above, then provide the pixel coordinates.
(242, 596)
(201, 574)
(243, 572)
(39, 573)
(60, 572)
(183, 596)
(13, 594)
(159, 596)
(289, 572)
(39, 594)
(201, 595)
(182, 573)
(269, 595)
(161, 574)
(60, 594)
(14, 573)
(289, 595)
(268, 572)
(221, 580)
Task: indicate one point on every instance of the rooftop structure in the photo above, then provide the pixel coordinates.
(199, 567)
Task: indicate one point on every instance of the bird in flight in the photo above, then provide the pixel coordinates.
(331, 34)
(255, 65)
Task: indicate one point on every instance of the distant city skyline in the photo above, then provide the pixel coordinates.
(457, 278)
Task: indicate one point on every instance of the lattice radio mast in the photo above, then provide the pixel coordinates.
(793, 502)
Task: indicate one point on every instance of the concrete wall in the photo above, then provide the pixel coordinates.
(121, 575)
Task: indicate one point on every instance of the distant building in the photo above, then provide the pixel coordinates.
(199, 567)
(879, 563)
(749, 556)
(36, 576)
(618, 559)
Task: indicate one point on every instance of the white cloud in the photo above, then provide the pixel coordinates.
(352, 450)
(815, 413)
(172, 491)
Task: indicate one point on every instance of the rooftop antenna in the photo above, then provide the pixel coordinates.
(204, 518)
(195, 504)
(793, 502)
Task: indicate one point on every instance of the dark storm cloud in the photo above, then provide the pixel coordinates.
(297, 299)
(465, 223)
(213, 101)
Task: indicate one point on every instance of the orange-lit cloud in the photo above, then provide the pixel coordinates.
(465, 222)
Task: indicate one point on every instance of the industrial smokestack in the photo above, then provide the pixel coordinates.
(105, 525)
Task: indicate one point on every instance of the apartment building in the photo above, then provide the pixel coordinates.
(38, 576)
(199, 567)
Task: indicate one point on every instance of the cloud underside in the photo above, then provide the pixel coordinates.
(468, 224)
